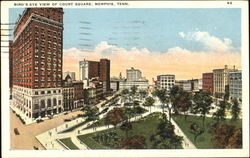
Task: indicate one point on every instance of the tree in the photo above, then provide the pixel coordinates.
(133, 90)
(115, 116)
(227, 136)
(165, 138)
(235, 109)
(161, 94)
(182, 102)
(149, 102)
(202, 104)
(91, 113)
(226, 95)
(125, 91)
(126, 126)
(220, 114)
(196, 130)
(134, 142)
(143, 93)
(235, 141)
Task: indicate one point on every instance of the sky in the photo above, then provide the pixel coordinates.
(185, 42)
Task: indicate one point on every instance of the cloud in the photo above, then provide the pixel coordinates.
(181, 34)
(185, 64)
(211, 43)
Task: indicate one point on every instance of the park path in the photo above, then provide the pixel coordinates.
(51, 139)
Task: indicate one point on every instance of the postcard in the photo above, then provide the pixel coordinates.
(125, 78)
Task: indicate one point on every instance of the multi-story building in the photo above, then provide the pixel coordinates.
(71, 74)
(220, 80)
(207, 82)
(37, 63)
(235, 84)
(10, 67)
(133, 74)
(104, 74)
(190, 85)
(91, 69)
(165, 81)
(73, 96)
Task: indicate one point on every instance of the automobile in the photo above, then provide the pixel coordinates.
(16, 131)
(67, 120)
(35, 148)
(65, 113)
(39, 120)
(50, 116)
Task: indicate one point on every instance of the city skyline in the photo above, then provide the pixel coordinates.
(186, 51)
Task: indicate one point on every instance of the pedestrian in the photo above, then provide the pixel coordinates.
(46, 144)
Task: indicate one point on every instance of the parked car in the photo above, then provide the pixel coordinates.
(65, 113)
(67, 120)
(39, 120)
(50, 116)
(16, 131)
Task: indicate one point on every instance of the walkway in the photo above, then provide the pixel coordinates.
(49, 139)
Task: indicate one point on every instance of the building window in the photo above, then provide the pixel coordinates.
(54, 102)
(42, 104)
(49, 92)
(59, 102)
(36, 92)
(54, 91)
(49, 102)
(36, 106)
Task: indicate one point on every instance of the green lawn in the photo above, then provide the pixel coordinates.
(204, 140)
(145, 127)
(69, 143)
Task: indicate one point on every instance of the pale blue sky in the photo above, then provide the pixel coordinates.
(154, 29)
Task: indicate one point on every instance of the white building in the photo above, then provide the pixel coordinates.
(71, 74)
(235, 84)
(165, 81)
(133, 74)
(220, 79)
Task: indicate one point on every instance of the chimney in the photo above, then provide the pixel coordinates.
(234, 67)
(225, 66)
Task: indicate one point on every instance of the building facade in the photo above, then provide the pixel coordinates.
(73, 97)
(165, 81)
(37, 63)
(235, 84)
(10, 67)
(220, 80)
(207, 82)
(92, 69)
(71, 74)
(133, 74)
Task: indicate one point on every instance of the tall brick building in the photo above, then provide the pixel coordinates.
(92, 69)
(37, 63)
(207, 82)
(10, 67)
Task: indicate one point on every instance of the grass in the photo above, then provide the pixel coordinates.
(204, 141)
(145, 127)
(69, 143)
(90, 142)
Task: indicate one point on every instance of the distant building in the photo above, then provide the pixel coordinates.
(134, 78)
(190, 85)
(235, 84)
(165, 81)
(220, 80)
(92, 69)
(133, 74)
(94, 92)
(207, 82)
(71, 74)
